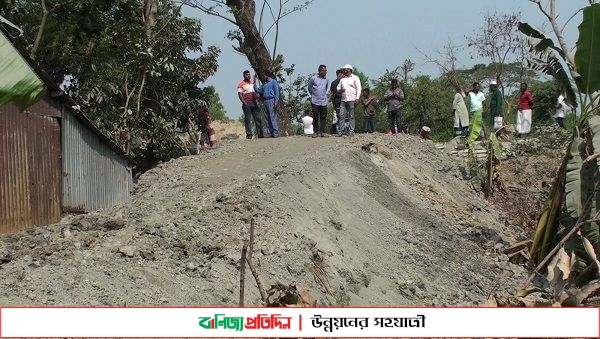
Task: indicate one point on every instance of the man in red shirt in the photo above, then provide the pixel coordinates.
(250, 108)
(524, 110)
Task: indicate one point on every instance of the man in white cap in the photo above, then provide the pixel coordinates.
(496, 101)
(350, 88)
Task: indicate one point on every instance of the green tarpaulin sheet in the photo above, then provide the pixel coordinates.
(18, 81)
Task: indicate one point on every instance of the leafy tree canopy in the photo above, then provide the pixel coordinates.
(127, 63)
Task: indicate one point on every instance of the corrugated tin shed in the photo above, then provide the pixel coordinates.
(30, 169)
(94, 176)
(53, 159)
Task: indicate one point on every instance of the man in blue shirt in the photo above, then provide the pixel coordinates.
(269, 92)
(317, 87)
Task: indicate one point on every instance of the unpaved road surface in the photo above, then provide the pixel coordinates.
(395, 223)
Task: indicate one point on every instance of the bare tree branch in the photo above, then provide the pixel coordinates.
(261, 28)
(539, 4)
(237, 50)
(271, 11)
(446, 61)
(260, 20)
(571, 18)
(286, 13)
(429, 59)
(243, 273)
(158, 31)
(249, 245)
(45, 14)
(499, 41)
(277, 30)
(208, 10)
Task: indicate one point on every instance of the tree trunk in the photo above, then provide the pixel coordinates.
(253, 46)
(40, 32)
(149, 17)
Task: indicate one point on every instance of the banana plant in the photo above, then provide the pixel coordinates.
(546, 226)
(492, 179)
(474, 170)
(573, 200)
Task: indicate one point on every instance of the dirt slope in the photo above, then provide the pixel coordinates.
(400, 223)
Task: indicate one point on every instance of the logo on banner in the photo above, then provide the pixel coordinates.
(259, 322)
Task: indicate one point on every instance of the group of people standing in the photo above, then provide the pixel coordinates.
(469, 123)
(345, 93)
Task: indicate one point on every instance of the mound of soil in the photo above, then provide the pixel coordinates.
(368, 220)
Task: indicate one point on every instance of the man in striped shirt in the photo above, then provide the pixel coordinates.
(250, 108)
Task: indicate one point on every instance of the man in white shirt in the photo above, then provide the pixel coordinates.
(476, 99)
(350, 88)
(561, 109)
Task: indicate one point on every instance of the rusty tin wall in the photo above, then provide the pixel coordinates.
(94, 176)
(30, 167)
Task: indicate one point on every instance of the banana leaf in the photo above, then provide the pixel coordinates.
(538, 237)
(553, 66)
(475, 125)
(546, 229)
(553, 220)
(594, 123)
(496, 146)
(581, 195)
(579, 189)
(573, 181)
(19, 82)
(475, 171)
(542, 42)
(591, 174)
(551, 60)
(587, 56)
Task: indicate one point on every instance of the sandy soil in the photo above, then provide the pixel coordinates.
(368, 220)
